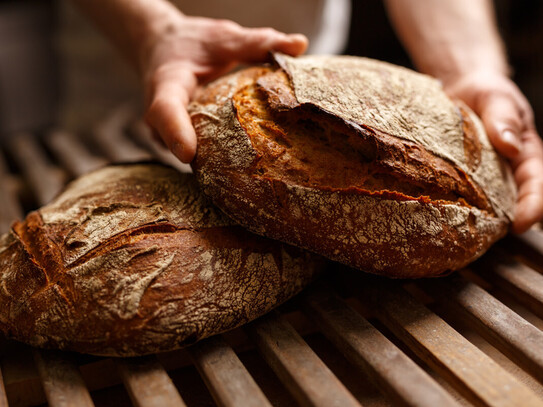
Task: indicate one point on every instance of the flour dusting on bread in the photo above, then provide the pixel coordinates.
(358, 160)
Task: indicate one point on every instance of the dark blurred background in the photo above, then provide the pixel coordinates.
(36, 82)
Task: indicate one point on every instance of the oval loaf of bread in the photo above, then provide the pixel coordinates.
(131, 260)
(358, 160)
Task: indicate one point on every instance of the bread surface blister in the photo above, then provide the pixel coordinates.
(366, 163)
(133, 259)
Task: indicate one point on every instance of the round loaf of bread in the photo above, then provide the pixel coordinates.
(131, 260)
(366, 163)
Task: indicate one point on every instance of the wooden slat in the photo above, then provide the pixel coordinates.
(147, 383)
(524, 283)
(506, 330)
(398, 377)
(112, 140)
(309, 380)
(61, 380)
(44, 180)
(227, 379)
(72, 154)
(467, 368)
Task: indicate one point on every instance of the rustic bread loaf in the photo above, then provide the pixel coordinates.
(132, 260)
(358, 160)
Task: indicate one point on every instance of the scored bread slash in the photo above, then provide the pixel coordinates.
(366, 163)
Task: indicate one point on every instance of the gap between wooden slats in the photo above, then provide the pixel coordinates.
(309, 380)
(398, 377)
(61, 380)
(227, 379)
(467, 368)
(53, 367)
(45, 180)
(498, 324)
(72, 154)
(147, 383)
(524, 283)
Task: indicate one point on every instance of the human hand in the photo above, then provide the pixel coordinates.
(191, 51)
(508, 120)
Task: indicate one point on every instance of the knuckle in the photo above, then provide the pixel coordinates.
(265, 34)
(227, 26)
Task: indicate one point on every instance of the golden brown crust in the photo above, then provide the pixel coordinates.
(282, 153)
(132, 260)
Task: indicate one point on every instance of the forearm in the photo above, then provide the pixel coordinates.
(448, 39)
(131, 24)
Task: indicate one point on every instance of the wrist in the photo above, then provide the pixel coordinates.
(455, 68)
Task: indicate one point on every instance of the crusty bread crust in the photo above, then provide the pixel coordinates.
(358, 160)
(131, 260)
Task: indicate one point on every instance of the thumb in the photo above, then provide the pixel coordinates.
(503, 123)
(166, 114)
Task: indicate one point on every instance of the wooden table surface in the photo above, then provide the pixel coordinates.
(473, 338)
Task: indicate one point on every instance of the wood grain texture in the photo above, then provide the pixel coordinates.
(509, 332)
(147, 383)
(468, 369)
(309, 380)
(523, 282)
(227, 379)
(398, 377)
(62, 381)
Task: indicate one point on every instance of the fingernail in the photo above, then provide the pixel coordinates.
(510, 138)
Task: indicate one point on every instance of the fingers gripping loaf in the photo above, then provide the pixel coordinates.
(361, 161)
(132, 260)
